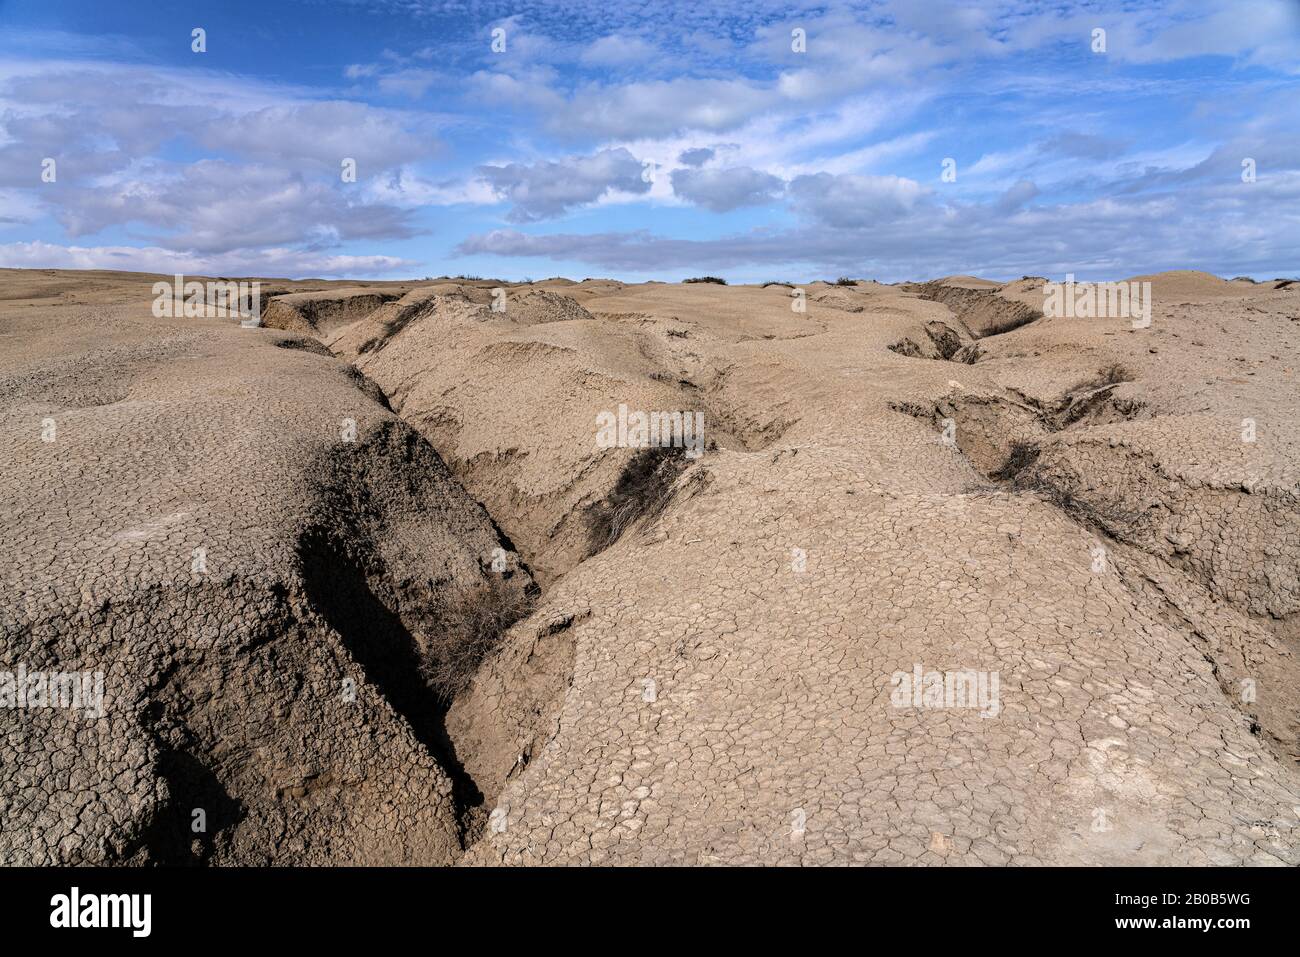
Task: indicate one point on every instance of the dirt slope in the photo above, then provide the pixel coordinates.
(1098, 524)
(251, 550)
(730, 698)
(321, 313)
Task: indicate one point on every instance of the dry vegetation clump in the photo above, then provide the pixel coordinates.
(472, 625)
(712, 279)
(1020, 457)
(643, 490)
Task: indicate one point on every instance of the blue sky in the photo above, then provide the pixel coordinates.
(654, 140)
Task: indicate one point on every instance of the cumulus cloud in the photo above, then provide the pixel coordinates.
(1025, 191)
(106, 126)
(618, 51)
(659, 107)
(106, 117)
(407, 189)
(548, 189)
(323, 134)
(695, 157)
(213, 206)
(264, 262)
(850, 200)
(530, 91)
(725, 189)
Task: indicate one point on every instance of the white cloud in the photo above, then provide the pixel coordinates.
(287, 263)
(618, 51)
(324, 134)
(413, 83)
(657, 108)
(548, 189)
(105, 126)
(212, 207)
(724, 189)
(850, 200)
(1098, 239)
(407, 189)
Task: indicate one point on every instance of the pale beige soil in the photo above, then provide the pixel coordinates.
(713, 686)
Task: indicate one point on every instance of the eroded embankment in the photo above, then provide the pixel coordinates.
(456, 369)
(975, 314)
(277, 714)
(1217, 553)
(508, 713)
(510, 392)
(273, 581)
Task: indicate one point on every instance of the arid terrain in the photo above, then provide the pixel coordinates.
(364, 587)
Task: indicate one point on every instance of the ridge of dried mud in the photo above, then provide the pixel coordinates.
(687, 691)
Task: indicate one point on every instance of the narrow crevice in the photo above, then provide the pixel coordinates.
(983, 313)
(418, 671)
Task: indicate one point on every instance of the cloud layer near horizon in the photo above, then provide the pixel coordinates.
(868, 139)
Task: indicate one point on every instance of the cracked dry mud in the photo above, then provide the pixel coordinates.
(928, 475)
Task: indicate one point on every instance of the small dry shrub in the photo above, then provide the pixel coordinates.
(471, 625)
(643, 491)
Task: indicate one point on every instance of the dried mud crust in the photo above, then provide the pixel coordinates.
(713, 685)
(255, 592)
(509, 396)
(719, 696)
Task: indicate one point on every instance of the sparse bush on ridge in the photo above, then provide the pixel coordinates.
(1020, 457)
(471, 625)
(1112, 374)
(643, 491)
(713, 279)
(846, 281)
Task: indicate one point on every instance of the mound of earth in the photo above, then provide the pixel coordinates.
(952, 582)
(1190, 284)
(509, 390)
(255, 561)
(323, 312)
